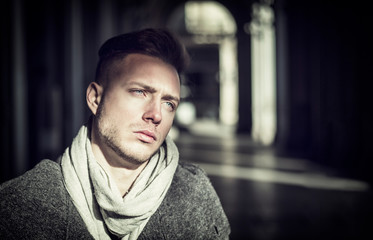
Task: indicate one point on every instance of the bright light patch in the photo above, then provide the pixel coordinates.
(308, 180)
(263, 74)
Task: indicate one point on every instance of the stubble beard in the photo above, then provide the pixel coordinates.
(109, 135)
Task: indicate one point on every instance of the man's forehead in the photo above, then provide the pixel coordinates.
(148, 72)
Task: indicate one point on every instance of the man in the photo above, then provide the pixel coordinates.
(121, 177)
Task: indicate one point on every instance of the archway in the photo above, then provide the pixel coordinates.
(210, 87)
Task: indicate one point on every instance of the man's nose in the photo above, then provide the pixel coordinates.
(153, 112)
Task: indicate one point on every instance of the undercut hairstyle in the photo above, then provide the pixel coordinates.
(159, 43)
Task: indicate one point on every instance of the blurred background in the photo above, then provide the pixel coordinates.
(275, 108)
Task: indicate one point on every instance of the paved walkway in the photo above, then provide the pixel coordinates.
(271, 197)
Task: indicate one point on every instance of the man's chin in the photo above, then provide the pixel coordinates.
(147, 148)
(141, 155)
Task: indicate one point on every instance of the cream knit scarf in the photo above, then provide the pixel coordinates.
(97, 197)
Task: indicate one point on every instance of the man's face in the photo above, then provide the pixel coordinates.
(137, 108)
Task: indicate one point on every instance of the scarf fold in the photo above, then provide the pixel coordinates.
(96, 195)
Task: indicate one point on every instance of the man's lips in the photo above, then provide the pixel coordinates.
(146, 136)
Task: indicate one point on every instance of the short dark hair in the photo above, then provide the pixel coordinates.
(158, 43)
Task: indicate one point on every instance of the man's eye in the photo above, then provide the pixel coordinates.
(170, 105)
(138, 92)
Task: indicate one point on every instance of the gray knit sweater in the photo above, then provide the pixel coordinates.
(37, 206)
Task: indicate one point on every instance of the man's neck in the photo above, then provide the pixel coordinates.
(123, 177)
(124, 174)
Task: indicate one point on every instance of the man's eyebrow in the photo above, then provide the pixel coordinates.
(171, 98)
(150, 89)
(146, 87)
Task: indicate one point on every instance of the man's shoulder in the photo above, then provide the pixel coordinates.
(37, 205)
(190, 172)
(46, 172)
(29, 195)
(191, 181)
(191, 208)
(192, 186)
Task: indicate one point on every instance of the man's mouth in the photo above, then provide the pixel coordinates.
(146, 136)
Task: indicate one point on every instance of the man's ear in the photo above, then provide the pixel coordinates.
(94, 96)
